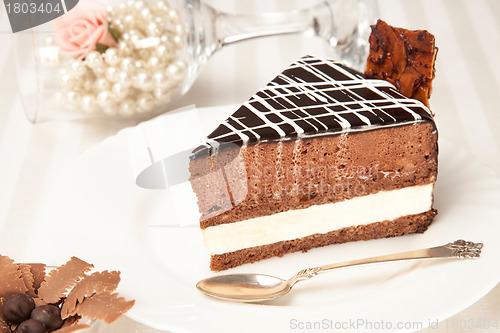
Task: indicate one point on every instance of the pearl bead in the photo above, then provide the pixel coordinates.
(88, 103)
(110, 10)
(100, 70)
(144, 81)
(133, 32)
(122, 6)
(102, 84)
(117, 22)
(124, 48)
(139, 5)
(128, 20)
(162, 6)
(72, 97)
(164, 39)
(178, 42)
(93, 59)
(126, 36)
(161, 21)
(127, 64)
(127, 107)
(161, 80)
(111, 56)
(146, 14)
(104, 98)
(154, 62)
(77, 68)
(130, 3)
(145, 103)
(120, 91)
(67, 81)
(139, 64)
(152, 29)
(48, 40)
(173, 15)
(179, 29)
(135, 39)
(112, 74)
(161, 50)
(124, 79)
(162, 95)
(174, 71)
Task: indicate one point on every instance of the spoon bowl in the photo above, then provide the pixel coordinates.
(244, 287)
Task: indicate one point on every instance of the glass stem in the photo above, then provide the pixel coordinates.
(232, 28)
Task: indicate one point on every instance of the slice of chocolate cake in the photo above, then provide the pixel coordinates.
(319, 156)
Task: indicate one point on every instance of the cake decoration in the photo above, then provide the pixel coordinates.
(32, 300)
(403, 57)
(315, 97)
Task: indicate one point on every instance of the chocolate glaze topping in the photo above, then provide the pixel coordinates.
(314, 97)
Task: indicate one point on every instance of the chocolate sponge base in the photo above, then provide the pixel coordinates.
(404, 225)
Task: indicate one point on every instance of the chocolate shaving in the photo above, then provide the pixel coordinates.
(11, 281)
(105, 307)
(403, 57)
(61, 279)
(38, 271)
(97, 283)
(28, 279)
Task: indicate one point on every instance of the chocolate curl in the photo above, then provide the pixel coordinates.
(61, 279)
(105, 307)
(11, 280)
(28, 279)
(97, 283)
(38, 271)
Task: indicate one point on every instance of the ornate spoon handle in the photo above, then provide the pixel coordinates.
(457, 249)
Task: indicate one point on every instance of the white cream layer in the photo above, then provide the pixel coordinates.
(318, 219)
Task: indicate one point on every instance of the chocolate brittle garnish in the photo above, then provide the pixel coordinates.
(106, 307)
(403, 57)
(61, 279)
(11, 280)
(97, 283)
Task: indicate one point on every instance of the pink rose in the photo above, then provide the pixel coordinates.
(79, 30)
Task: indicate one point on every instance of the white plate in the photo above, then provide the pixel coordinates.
(97, 212)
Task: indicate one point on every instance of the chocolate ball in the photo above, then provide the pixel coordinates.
(17, 308)
(48, 315)
(30, 326)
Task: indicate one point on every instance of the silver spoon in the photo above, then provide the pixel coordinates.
(260, 287)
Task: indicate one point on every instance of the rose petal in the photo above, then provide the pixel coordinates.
(62, 40)
(81, 28)
(80, 32)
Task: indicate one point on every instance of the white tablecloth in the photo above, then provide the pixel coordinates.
(465, 100)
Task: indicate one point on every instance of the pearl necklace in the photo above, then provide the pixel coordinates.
(144, 71)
